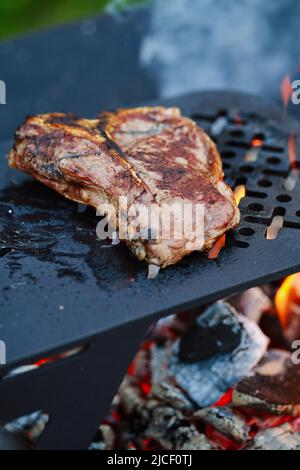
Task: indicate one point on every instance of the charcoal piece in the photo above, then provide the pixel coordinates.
(279, 438)
(252, 303)
(159, 363)
(273, 387)
(30, 426)
(207, 380)
(224, 420)
(106, 438)
(130, 397)
(169, 393)
(270, 324)
(173, 430)
(202, 342)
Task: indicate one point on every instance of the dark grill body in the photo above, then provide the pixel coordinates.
(61, 287)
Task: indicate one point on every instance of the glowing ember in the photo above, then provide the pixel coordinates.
(256, 142)
(275, 226)
(238, 120)
(41, 362)
(286, 90)
(239, 193)
(287, 299)
(225, 399)
(214, 252)
(292, 150)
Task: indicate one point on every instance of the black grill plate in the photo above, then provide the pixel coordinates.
(59, 284)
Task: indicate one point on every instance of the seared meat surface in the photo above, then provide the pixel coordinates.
(150, 155)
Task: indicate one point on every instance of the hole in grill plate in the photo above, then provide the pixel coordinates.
(279, 211)
(264, 183)
(228, 154)
(241, 180)
(259, 136)
(273, 148)
(237, 133)
(283, 174)
(246, 168)
(256, 194)
(255, 207)
(202, 117)
(238, 143)
(284, 198)
(238, 243)
(298, 213)
(246, 231)
(273, 160)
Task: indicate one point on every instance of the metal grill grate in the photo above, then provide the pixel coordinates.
(262, 157)
(62, 288)
(55, 271)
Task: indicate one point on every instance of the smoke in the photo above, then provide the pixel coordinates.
(204, 44)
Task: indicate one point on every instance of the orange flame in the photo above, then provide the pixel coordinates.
(292, 150)
(238, 120)
(286, 90)
(215, 250)
(256, 142)
(287, 298)
(239, 193)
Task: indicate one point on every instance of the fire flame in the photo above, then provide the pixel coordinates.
(292, 150)
(286, 90)
(239, 193)
(238, 120)
(287, 298)
(215, 250)
(256, 142)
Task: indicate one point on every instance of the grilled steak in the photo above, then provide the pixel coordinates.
(150, 155)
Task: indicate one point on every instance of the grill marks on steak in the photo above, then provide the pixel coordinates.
(72, 157)
(147, 154)
(177, 160)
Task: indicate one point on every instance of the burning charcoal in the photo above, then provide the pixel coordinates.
(224, 420)
(279, 438)
(218, 126)
(274, 387)
(141, 364)
(173, 430)
(224, 347)
(30, 426)
(130, 397)
(159, 364)
(252, 303)
(171, 394)
(106, 439)
(287, 301)
(270, 325)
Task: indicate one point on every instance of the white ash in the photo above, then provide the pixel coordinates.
(273, 386)
(226, 421)
(29, 426)
(207, 380)
(106, 440)
(171, 395)
(280, 438)
(173, 430)
(252, 303)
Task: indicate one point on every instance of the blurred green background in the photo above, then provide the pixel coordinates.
(20, 16)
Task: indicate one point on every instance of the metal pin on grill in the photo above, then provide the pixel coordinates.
(218, 126)
(293, 176)
(252, 154)
(275, 226)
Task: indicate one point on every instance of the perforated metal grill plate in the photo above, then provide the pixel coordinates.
(60, 285)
